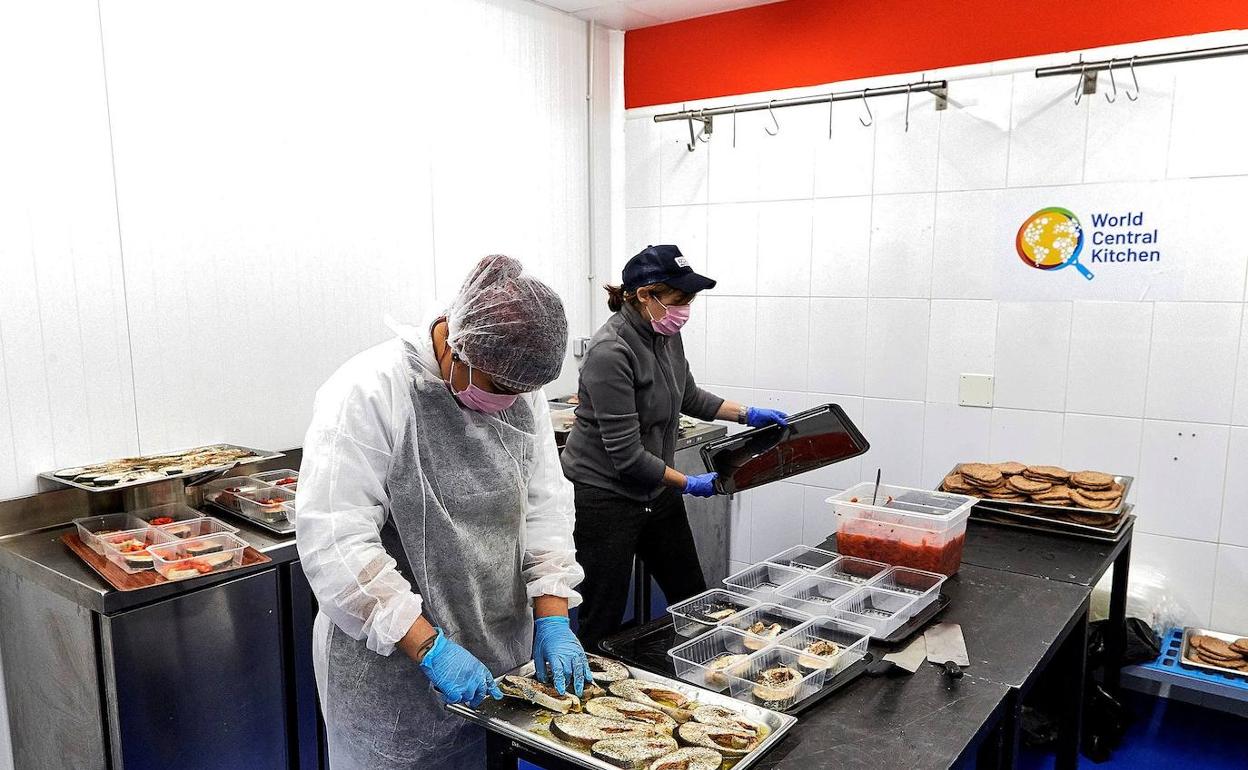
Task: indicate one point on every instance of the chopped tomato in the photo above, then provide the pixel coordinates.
(161, 520)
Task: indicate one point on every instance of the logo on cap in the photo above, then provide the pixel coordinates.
(682, 261)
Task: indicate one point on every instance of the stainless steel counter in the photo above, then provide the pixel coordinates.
(42, 558)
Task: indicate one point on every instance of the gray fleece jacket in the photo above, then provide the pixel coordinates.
(635, 383)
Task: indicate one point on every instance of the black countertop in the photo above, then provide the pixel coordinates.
(1012, 623)
(1067, 559)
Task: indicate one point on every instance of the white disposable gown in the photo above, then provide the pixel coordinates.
(409, 503)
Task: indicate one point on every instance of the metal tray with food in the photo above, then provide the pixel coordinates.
(1124, 481)
(1053, 520)
(536, 727)
(280, 527)
(127, 472)
(1189, 652)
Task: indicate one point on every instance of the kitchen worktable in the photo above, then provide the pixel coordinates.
(1015, 626)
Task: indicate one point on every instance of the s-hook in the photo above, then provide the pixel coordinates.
(773, 120)
(1133, 80)
(1112, 83)
(870, 118)
(908, 85)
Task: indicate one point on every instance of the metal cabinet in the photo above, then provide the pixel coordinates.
(198, 680)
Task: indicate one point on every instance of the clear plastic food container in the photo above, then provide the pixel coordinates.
(763, 624)
(707, 660)
(775, 679)
(815, 594)
(853, 570)
(224, 492)
(707, 610)
(205, 525)
(908, 527)
(762, 580)
(883, 611)
(170, 513)
(279, 478)
(828, 643)
(183, 559)
(110, 523)
(131, 550)
(803, 557)
(271, 504)
(924, 586)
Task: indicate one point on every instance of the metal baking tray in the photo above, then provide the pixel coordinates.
(1125, 481)
(1183, 651)
(278, 529)
(1032, 520)
(528, 724)
(262, 455)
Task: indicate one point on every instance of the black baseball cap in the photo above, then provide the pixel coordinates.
(663, 264)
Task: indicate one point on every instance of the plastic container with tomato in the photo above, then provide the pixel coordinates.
(906, 527)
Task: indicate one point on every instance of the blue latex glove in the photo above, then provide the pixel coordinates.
(702, 485)
(457, 673)
(757, 418)
(555, 645)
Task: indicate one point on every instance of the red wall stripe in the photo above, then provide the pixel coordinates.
(808, 42)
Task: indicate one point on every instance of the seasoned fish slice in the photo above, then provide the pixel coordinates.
(670, 702)
(633, 753)
(606, 671)
(689, 758)
(728, 741)
(587, 729)
(617, 708)
(723, 717)
(533, 691)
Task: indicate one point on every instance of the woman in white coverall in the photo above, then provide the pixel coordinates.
(432, 512)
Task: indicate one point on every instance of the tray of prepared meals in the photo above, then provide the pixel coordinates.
(1214, 651)
(265, 499)
(630, 718)
(136, 471)
(1088, 497)
(157, 545)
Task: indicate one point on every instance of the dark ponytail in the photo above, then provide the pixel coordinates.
(615, 297)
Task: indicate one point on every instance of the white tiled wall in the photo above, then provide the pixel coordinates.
(849, 271)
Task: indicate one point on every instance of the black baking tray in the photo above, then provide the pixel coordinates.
(646, 647)
(814, 438)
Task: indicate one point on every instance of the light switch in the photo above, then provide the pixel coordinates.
(975, 390)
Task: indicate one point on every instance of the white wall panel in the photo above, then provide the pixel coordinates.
(67, 395)
(1048, 132)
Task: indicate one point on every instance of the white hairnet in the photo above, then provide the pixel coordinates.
(509, 325)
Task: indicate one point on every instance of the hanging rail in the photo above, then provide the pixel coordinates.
(1088, 68)
(938, 87)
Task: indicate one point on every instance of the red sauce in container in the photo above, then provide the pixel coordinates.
(943, 558)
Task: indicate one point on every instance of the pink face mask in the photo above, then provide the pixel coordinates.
(676, 317)
(481, 400)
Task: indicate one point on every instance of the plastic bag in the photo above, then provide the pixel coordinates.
(1148, 597)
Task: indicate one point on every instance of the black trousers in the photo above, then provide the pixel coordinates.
(610, 530)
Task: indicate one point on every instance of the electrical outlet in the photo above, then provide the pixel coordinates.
(975, 390)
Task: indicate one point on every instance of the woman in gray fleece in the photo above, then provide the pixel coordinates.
(635, 384)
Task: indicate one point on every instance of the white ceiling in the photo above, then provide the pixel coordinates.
(631, 14)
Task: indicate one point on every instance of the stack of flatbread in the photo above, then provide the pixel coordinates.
(1089, 494)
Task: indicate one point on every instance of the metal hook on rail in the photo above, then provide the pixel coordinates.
(708, 127)
(734, 127)
(908, 86)
(773, 120)
(1135, 80)
(870, 118)
(1083, 74)
(830, 102)
(1113, 84)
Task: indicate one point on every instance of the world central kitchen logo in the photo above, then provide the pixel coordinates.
(1053, 238)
